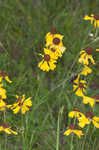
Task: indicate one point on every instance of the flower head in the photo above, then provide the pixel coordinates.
(48, 61)
(76, 113)
(94, 18)
(87, 119)
(4, 75)
(22, 104)
(6, 128)
(86, 55)
(54, 39)
(72, 129)
(79, 86)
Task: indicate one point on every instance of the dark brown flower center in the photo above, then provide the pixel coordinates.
(96, 17)
(81, 85)
(89, 50)
(3, 74)
(53, 31)
(72, 127)
(76, 109)
(20, 101)
(0, 97)
(5, 125)
(53, 49)
(56, 41)
(89, 115)
(47, 57)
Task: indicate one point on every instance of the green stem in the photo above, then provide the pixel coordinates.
(58, 127)
(84, 141)
(96, 32)
(72, 136)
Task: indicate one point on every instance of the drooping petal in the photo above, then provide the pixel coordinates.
(79, 133)
(68, 132)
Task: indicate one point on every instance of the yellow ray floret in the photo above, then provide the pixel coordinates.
(22, 104)
(89, 100)
(86, 70)
(3, 105)
(48, 62)
(6, 128)
(94, 19)
(2, 92)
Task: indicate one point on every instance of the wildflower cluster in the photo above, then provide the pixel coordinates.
(80, 86)
(54, 49)
(22, 104)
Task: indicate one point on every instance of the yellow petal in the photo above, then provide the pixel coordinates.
(28, 102)
(89, 100)
(79, 133)
(14, 132)
(79, 92)
(7, 79)
(86, 70)
(87, 18)
(68, 132)
(96, 124)
(24, 109)
(16, 110)
(83, 121)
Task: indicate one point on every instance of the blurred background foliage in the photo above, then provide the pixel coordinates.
(23, 26)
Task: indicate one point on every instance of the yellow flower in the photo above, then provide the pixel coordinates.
(21, 104)
(83, 121)
(88, 119)
(76, 113)
(3, 105)
(97, 50)
(48, 61)
(94, 19)
(86, 55)
(79, 86)
(54, 39)
(89, 100)
(86, 70)
(72, 129)
(6, 128)
(2, 92)
(4, 75)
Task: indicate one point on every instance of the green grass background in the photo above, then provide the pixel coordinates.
(23, 26)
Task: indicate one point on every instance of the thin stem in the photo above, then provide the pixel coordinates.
(58, 127)
(84, 141)
(96, 33)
